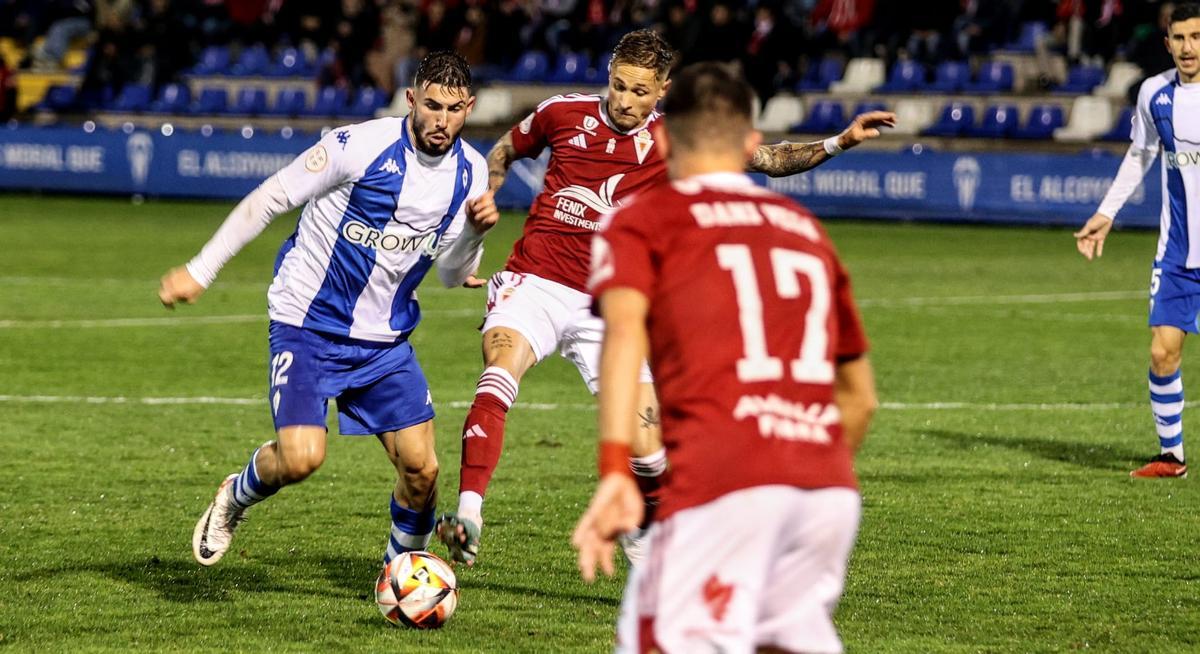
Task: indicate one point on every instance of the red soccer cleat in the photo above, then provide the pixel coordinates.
(1163, 465)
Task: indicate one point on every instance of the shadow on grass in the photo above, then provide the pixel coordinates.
(1089, 455)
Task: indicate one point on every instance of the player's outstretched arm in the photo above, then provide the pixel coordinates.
(854, 391)
(247, 220)
(783, 159)
(458, 264)
(617, 505)
(499, 159)
(1090, 239)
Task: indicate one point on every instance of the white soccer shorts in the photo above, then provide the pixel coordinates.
(763, 566)
(551, 317)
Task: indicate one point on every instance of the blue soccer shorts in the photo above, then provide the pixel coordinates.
(1175, 297)
(379, 387)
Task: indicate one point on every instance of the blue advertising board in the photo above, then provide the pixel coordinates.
(999, 187)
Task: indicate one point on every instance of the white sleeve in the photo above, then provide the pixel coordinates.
(247, 220)
(1134, 166)
(464, 246)
(333, 161)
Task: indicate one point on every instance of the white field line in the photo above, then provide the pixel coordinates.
(554, 406)
(183, 321)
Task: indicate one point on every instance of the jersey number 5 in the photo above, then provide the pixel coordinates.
(756, 365)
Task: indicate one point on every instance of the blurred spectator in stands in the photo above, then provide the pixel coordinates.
(70, 20)
(114, 61)
(1147, 48)
(8, 91)
(722, 37)
(1067, 33)
(503, 45)
(307, 25)
(473, 35)
(207, 21)
(165, 42)
(20, 20)
(836, 23)
(1104, 29)
(355, 32)
(986, 24)
(681, 29)
(770, 53)
(930, 40)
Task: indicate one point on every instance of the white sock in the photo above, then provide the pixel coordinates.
(470, 505)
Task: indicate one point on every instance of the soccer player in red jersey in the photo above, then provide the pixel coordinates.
(602, 153)
(759, 359)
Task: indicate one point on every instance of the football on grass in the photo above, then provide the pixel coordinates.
(417, 589)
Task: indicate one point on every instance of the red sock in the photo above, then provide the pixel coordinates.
(483, 430)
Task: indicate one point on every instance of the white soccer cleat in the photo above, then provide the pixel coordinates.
(214, 531)
(634, 545)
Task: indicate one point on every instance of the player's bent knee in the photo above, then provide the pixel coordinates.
(1164, 360)
(299, 460)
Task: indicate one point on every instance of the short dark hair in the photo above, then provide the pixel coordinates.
(645, 49)
(445, 67)
(1185, 11)
(708, 103)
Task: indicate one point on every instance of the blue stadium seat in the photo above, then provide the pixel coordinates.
(250, 101)
(1043, 120)
(291, 62)
(820, 75)
(1027, 40)
(211, 101)
(1081, 80)
(571, 68)
(956, 118)
(994, 77)
(866, 106)
(999, 121)
(825, 116)
(132, 98)
(254, 60)
(906, 77)
(331, 101)
(172, 99)
(366, 102)
(531, 67)
(1121, 129)
(289, 102)
(598, 74)
(950, 77)
(59, 97)
(214, 60)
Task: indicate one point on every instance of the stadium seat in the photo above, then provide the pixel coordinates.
(955, 119)
(493, 106)
(531, 67)
(825, 116)
(906, 77)
(999, 121)
(820, 75)
(214, 60)
(331, 101)
(571, 68)
(1030, 36)
(254, 60)
(1121, 76)
(869, 105)
(598, 74)
(291, 62)
(59, 97)
(1081, 80)
(366, 102)
(994, 77)
(912, 116)
(1043, 120)
(250, 101)
(781, 112)
(172, 99)
(950, 77)
(1120, 129)
(1090, 117)
(211, 101)
(861, 76)
(289, 102)
(133, 98)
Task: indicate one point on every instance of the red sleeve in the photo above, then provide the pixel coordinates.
(529, 136)
(622, 255)
(851, 337)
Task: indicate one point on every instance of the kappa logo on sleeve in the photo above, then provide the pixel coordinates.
(316, 160)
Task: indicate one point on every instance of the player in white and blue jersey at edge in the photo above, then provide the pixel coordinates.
(383, 201)
(1167, 118)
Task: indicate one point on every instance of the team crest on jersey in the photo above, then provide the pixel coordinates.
(526, 124)
(316, 160)
(612, 145)
(642, 144)
(590, 124)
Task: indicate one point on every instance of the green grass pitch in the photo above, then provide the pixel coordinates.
(999, 516)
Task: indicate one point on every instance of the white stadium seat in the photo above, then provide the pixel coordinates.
(492, 106)
(1121, 76)
(781, 112)
(912, 116)
(1090, 117)
(861, 76)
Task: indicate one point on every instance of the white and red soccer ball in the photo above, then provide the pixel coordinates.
(418, 590)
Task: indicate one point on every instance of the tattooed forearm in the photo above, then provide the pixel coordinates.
(649, 417)
(499, 159)
(783, 159)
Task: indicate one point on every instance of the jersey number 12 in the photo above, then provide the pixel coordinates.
(756, 365)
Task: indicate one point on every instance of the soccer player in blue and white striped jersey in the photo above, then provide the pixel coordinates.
(1168, 119)
(383, 201)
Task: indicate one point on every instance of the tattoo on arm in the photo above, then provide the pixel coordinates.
(499, 159)
(649, 417)
(783, 159)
